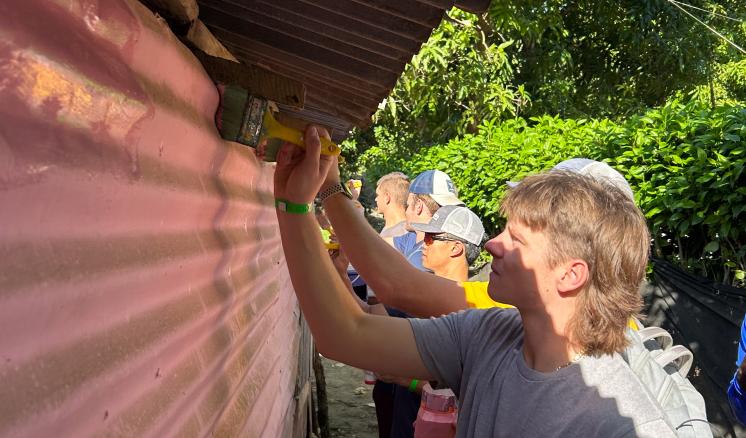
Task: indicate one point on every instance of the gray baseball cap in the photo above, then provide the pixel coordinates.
(457, 221)
(595, 169)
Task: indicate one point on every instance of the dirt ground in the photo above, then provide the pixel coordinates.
(351, 410)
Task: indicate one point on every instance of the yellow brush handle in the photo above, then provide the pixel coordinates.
(271, 128)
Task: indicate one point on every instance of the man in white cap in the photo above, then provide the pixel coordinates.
(429, 191)
(597, 170)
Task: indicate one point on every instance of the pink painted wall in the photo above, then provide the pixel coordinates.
(143, 290)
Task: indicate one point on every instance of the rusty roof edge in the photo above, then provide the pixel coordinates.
(357, 72)
(256, 80)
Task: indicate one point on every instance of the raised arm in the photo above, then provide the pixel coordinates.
(397, 283)
(342, 331)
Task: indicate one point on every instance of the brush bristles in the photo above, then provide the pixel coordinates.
(230, 115)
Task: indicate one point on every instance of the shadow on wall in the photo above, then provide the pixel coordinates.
(706, 317)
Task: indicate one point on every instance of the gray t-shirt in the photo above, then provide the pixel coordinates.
(477, 353)
(396, 230)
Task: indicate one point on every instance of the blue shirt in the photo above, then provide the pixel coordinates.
(408, 245)
(736, 394)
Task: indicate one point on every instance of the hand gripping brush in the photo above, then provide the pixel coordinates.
(248, 119)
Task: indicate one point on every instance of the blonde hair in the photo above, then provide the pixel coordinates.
(397, 186)
(594, 221)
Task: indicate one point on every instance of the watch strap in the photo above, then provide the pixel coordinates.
(332, 190)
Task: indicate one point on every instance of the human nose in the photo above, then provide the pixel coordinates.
(496, 245)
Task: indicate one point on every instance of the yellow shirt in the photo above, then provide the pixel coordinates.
(477, 297)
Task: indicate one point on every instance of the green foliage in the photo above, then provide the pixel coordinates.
(685, 163)
(732, 76)
(727, 87)
(582, 59)
(459, 78)
(492, 97)
(481, 164)
(589, 58)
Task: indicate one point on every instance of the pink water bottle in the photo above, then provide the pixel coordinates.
(438, 415)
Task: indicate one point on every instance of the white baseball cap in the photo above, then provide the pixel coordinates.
(595, 169)
(438, 185)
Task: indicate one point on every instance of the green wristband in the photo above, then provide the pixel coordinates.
(413, 385)
(291, 207)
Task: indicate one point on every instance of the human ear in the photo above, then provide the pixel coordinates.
(418, 206)
(573, 276)
(457, 249)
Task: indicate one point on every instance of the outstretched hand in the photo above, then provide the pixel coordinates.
(301, 173)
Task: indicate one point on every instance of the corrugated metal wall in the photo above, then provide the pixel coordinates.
(143, 290)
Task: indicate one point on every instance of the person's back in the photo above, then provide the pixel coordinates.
(408, 245)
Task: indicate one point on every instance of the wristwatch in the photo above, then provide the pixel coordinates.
(334, 189)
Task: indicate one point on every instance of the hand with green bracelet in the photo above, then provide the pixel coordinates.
(297, 180)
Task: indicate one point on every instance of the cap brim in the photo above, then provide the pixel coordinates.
(447, 199)
(427, 228)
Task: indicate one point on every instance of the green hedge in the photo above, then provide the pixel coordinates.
(685, 163)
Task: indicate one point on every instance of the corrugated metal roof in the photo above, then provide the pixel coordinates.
(143, 289)
(349, 54)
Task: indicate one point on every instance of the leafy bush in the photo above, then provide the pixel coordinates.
(685, 163)
(733, 78)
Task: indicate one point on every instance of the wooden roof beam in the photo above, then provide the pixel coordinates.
(255, 80)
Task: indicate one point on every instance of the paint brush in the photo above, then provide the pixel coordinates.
(247, 119)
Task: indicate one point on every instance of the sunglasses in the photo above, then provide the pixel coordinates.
(430, 238)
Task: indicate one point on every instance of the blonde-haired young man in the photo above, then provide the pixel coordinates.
(392, 191)
(571, 260)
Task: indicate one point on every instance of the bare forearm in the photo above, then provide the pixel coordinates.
(340, 328)
(374, 260)
(397, 283)
(328, 307)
